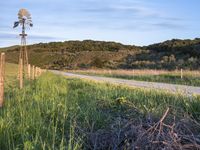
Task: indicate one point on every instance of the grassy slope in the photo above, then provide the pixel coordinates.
(74, 54)
(170, 55)
(56, 113)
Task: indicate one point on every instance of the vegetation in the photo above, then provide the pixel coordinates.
(53, 112)
(169, 55)
(73, 54)
(11, 74)
(174, 54)
(191, 78)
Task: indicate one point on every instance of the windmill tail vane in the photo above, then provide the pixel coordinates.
(16, 24)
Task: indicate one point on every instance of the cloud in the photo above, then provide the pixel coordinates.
(122, 11)
(126, 15)
(112, 9)
(62, 19)
(39, 37)
(169, 25)
(8, 39)
(6, 36)
(34, 37)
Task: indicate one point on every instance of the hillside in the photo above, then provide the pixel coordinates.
(170, 55)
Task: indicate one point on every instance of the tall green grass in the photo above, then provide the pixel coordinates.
(164, 78)
(47, 112)
(175, 78)
(37, 116)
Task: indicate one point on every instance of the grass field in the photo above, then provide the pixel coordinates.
(11, 73)
(54, 112)
(191, 78)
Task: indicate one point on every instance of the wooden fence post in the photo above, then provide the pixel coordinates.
(20, 73)
(33, 72)
(181, 73)
(40, 71)
(36, 70)
(2, 77)
(29, 71)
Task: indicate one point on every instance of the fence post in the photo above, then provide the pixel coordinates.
(40, 71)
(181, 73)
(29, 71)
(2, 77)
(38, 74)
(33, 72)
(20, 73)
(36, 70)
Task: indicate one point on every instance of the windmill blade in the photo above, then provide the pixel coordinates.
(28, 15)
(21, 21)
(16, 23)
(29, 18)
(24, 19)
(23, 13)
(20, 16)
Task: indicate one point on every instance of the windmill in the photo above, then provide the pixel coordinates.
(25, 21)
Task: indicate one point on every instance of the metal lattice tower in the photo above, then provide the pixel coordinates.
(23, 50)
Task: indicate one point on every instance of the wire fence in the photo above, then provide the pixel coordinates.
(29, 72)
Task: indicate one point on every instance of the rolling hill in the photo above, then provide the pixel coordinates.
(172, 54)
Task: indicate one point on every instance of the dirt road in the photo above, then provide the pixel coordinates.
(189, 90)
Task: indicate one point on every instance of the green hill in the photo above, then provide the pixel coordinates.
(99, 54)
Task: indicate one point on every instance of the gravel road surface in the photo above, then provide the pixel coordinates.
(188, 90)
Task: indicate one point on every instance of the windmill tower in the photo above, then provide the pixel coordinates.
(25, 21)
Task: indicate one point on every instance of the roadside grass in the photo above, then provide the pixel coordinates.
(191, 78)
(54, 112)
(163, 78)
(11, 71)
(11, 76)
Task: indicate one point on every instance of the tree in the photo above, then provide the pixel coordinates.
(97, 62)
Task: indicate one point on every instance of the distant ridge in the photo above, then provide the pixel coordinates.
(171, 54)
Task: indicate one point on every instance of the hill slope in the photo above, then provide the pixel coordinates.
(98, 54)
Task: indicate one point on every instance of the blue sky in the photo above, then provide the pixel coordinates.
(135, 22)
